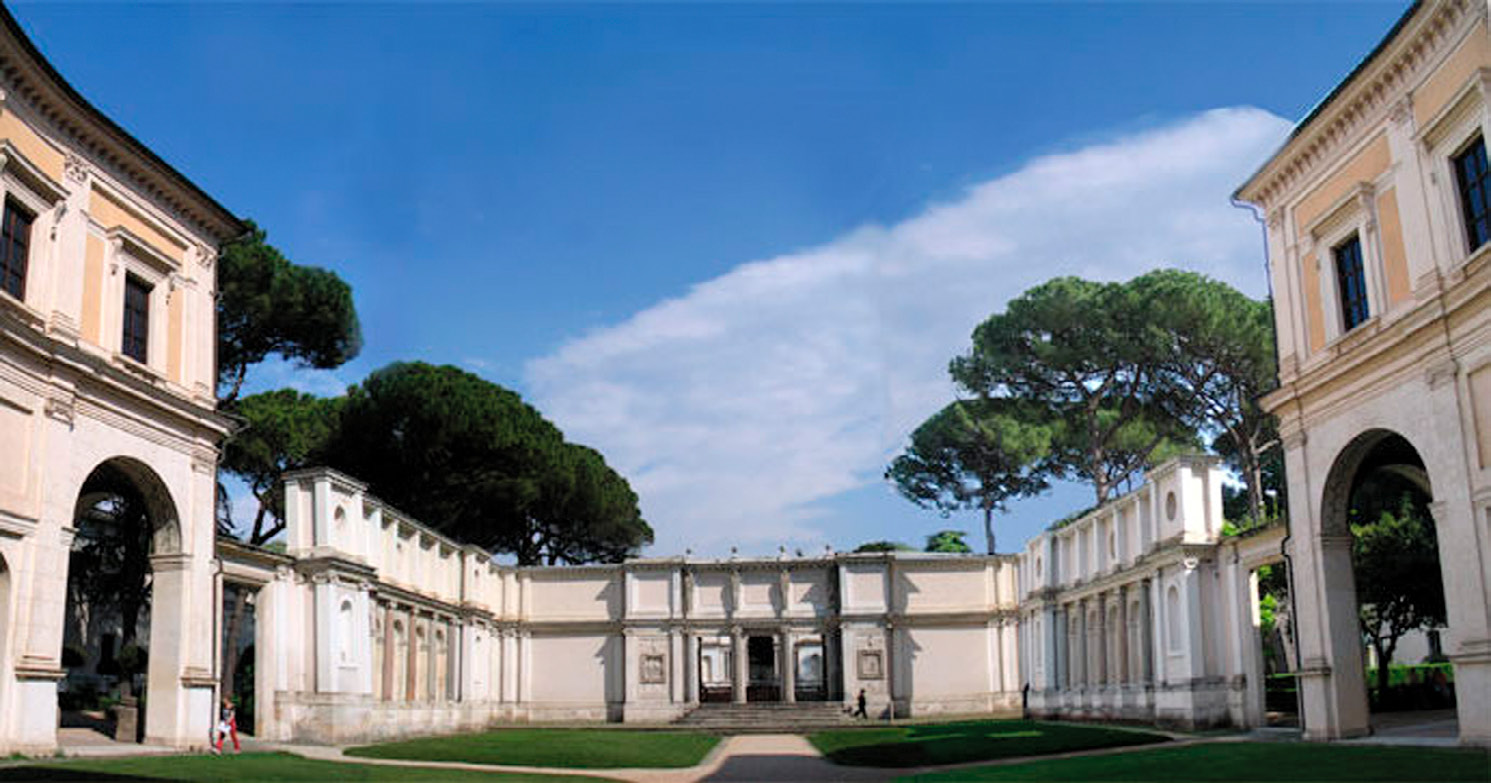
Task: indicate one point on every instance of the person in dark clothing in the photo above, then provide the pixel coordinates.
(1025, 701)
(859, 705)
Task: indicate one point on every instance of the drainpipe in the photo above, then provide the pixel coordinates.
(1299, 708)
(217, 643)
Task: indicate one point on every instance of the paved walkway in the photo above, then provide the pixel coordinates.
(755, 758)
(788, 758)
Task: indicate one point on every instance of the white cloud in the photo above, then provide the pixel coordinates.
(738, 408)
(277, 373)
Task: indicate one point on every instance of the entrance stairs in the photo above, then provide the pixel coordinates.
(767, 717)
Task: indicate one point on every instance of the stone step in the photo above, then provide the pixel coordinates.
(759, 717)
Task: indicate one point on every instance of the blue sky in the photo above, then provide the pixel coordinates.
(733, 247)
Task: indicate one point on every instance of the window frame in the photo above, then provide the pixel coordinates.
(13, 205)
(1468, 220)
(1343, 283)
(1354, 214)
(129, 256)
(127, 341)
(1440, 140)
(32, 190)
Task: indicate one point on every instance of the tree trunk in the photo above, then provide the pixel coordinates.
(129, 616)
(1385, 650)
(989, 525)
(230, 645)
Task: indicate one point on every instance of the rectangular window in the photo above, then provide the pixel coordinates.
(15, 243)
(136, 319)
(1471, 176)
(1352, 281)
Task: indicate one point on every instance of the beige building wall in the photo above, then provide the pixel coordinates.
(354, 619)
(1375, 162)
(102, 208)
(1142, 610)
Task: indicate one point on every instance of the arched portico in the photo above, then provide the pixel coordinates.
(173, 690)
(1333, 684)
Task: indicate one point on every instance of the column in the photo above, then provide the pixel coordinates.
(524, 666)
(677, 667)
(411, 672)
(630, 660)
(1252, 649)
(691, 667)
(1009, 656)
(1152, 670)
(166, 701)
(1195, 626)
(1047, 646)
(1123, 635)
(388, 654)
(994, 641)
(788, 658)
(833, 682)
(1102, 677)
(739, 673)
(1067, 668)
(1083, 671)
(1333, 690)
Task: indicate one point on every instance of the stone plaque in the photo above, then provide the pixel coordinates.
(871, 665)
(653, 670)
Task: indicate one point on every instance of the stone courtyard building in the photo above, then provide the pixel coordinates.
(1378, 217)
(372, 625)
(106, 378)
(1143, 610)
(381, 627)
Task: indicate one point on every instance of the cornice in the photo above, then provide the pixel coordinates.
(1364, 99)
(238, 551)
(337, 567)
(34, 79)
(1170, 552)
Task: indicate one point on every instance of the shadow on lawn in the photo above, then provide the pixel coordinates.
(31, 774)
(952, 743)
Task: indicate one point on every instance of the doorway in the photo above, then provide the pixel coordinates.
(761, 659)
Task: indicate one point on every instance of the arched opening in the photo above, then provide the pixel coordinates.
(1174, 632)
(6, 662)
(123, 517)
(240, 633)
(1379, 494)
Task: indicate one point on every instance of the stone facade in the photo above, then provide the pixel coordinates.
(1141, 610)
(372, 625)
(381, 627)
(89, 212)
(1401, 381)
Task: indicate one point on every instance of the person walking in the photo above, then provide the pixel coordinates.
(227, 726)
(859, 705)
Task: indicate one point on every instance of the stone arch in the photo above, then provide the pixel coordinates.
(7, 692)
(160, 506)
(1369, 452)
(1335, 689)
(104, 496)
(1174, 631)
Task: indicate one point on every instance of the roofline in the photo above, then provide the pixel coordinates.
(1331, 96)
(29, 48)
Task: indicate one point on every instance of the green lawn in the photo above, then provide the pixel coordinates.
(251, 768)
(971, 740)
(1245, 762)
(571, 748)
